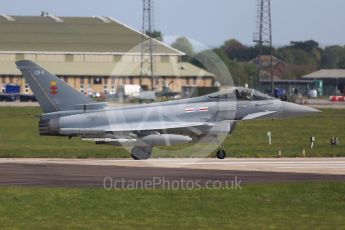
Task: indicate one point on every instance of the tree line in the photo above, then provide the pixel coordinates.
(301, 57)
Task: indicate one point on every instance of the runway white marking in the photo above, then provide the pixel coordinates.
(294, 165)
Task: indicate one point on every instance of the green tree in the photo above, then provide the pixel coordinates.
(156, 34)
(333, 57)
(184, 45)
(213, 63)
(307, 46)
(301, 53)
(295, 56)
(235, 50)
(241, 72)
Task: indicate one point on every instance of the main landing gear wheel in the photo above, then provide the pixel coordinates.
(221, 154)
(141, 152)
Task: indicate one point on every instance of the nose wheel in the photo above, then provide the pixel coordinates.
(221, 154)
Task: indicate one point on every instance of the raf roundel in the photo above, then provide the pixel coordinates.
(53, 88)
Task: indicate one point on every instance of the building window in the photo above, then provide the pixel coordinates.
(82, 88)
(82, 80)
(131, 80)
(69, 57)
(106, 80)
(165, 59)
(164, 81)
(105, 88)
(194, 80)
(116, 58)
(20, 57)
(112, 91)
(11, 79)
(65, 79)
(113, 80)
(26, 87)
(3, 80)
(89, 81)
(187, 81)
(124, 81)
(97, 81)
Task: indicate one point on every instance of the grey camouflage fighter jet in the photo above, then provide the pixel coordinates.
(67, 112)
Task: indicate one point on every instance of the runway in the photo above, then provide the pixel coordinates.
(334, 166)
(94, 172)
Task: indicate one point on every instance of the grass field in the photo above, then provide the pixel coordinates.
(19, 137)
(264, 206)
(283, 206)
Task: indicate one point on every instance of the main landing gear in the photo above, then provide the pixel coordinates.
(221, 154)
(144, 153)
(141, 152)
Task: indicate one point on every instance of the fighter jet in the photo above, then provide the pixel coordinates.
(67, 112)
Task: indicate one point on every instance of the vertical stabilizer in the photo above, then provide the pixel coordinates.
(52, 93)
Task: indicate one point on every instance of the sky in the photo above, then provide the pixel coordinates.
(206, 21)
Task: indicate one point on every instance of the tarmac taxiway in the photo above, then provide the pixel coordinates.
(91, 172)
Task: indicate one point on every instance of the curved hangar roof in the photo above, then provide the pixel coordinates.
(72, 35)
(326, 73)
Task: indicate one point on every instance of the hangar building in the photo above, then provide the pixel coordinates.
(332, 80)
(92, 54)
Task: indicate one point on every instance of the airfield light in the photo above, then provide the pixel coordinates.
(312, 141)
(334, 141)
(269, 135)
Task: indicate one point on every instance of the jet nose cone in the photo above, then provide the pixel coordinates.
(295, 110)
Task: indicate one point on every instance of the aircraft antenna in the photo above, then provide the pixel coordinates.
(263, 37)
(147, 63)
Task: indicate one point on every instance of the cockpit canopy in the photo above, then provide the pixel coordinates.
(245, 94)
(241, 94)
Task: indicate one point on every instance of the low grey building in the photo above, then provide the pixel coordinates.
(332, 81)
